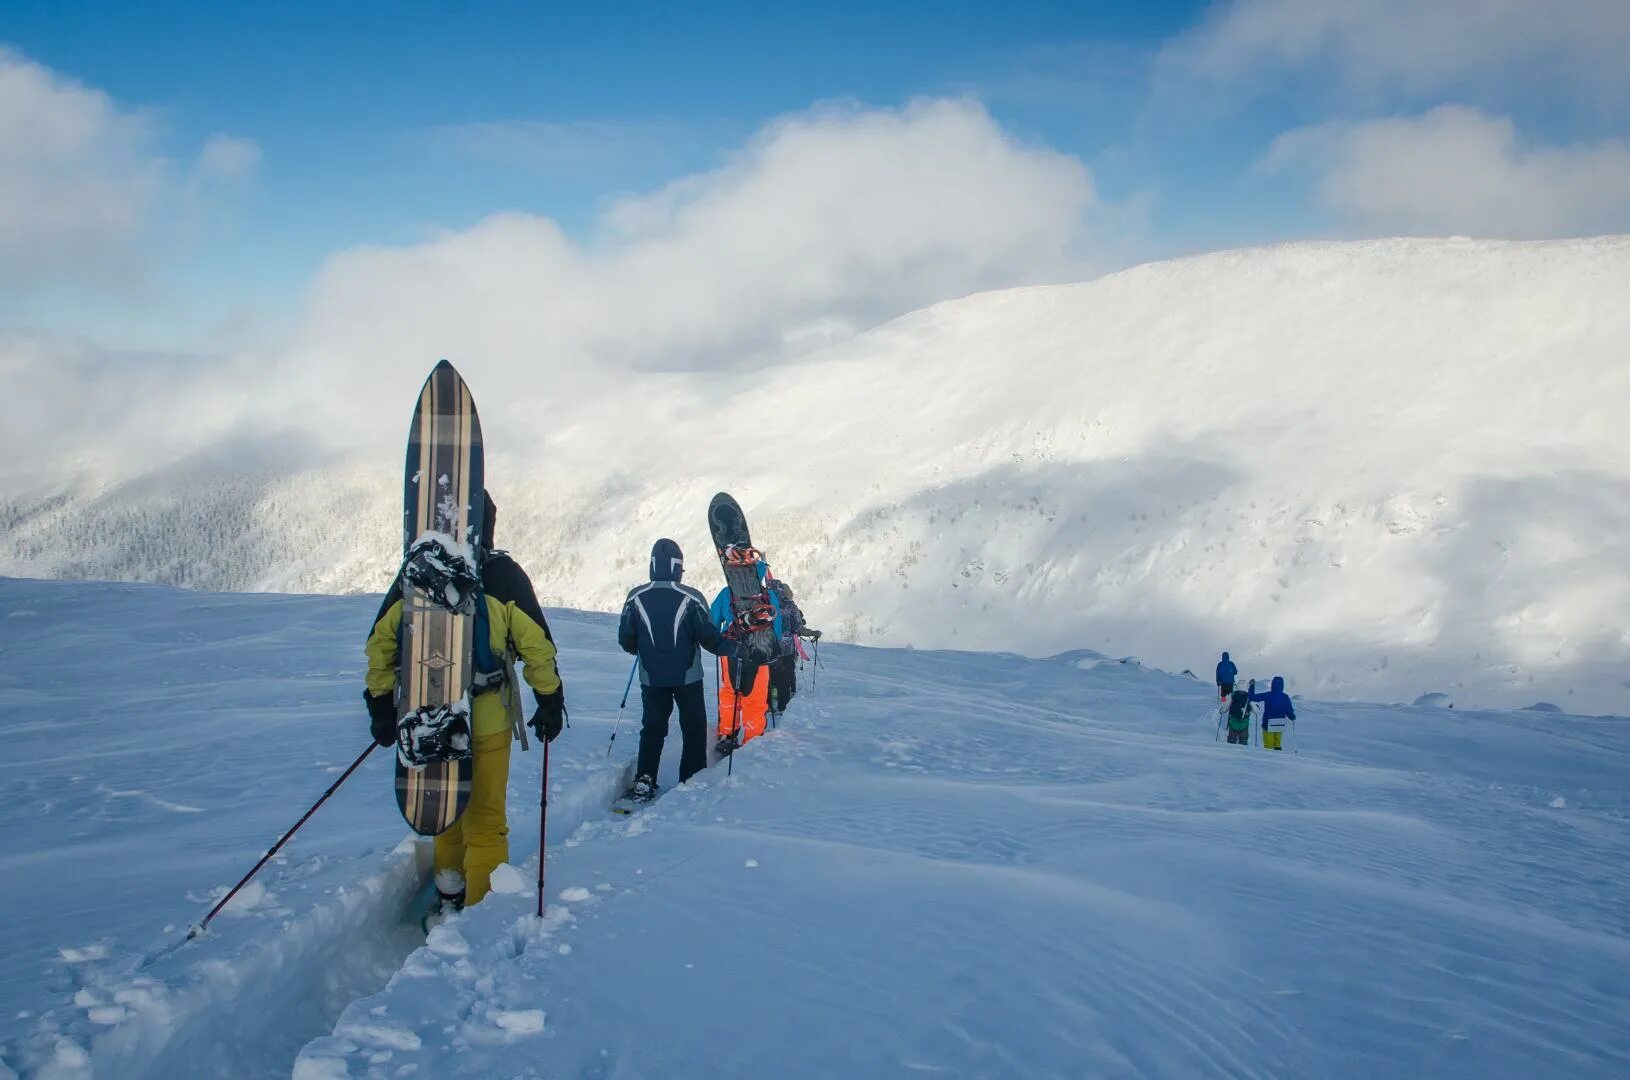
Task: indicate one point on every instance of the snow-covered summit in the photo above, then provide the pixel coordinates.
(1380, 469)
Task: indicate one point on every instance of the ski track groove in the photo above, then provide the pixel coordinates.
(238, 1011)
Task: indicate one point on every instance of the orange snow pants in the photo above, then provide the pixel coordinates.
(755, 701)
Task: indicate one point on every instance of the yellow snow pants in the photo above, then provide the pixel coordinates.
(479, 840)
(1270, 740)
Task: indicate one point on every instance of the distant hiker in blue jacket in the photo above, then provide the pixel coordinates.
(1226, 674)
(667, 624)
(1276, 711)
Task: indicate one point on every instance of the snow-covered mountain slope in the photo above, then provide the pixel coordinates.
(1379, 468)
(974, 864)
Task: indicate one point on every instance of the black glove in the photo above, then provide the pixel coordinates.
(381, 717)
(550, 716)
(813, 635)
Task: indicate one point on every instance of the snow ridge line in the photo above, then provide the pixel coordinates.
(249, 1014)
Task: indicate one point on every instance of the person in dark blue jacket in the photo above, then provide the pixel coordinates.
(667, 624)
(1276, 710)
(1226, 674)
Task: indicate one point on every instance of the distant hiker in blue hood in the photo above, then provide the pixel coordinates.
(666, 625)
(1277, 710)
(1226, 674)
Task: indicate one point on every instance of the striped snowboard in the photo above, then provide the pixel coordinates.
(442, 493)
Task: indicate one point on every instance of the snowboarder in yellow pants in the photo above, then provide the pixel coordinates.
(479, 840)
(469, 851)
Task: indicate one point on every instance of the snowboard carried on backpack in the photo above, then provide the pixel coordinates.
(441, 597)
(753, 629)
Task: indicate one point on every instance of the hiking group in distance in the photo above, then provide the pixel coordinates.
(1235, 712)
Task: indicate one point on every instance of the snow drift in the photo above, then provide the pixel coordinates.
(1378, 468)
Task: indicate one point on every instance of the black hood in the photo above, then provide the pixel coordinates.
(667, 561)
(489, 519)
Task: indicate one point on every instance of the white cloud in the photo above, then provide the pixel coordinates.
(77, 178)
(228, 158)
(1389, 48)
(829, 220)
(82, 179)
(1459, 170)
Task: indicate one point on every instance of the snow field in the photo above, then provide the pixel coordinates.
(984, 865)
(965, 863)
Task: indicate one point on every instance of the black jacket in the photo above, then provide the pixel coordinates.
(666, 624)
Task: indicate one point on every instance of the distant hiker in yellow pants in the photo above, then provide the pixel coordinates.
(1277, 710)
(478, 842)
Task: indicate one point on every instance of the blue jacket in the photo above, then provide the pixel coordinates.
(1276, 706)
(666, 624)
(1226, 672)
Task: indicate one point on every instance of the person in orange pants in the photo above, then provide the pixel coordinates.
(754, 698)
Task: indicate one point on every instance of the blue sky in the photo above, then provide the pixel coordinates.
(381, 123)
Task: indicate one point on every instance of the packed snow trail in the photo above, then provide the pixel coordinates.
(957, 862)
(161, 740)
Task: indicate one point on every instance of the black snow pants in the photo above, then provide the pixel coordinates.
(659, 702)
(783, 680)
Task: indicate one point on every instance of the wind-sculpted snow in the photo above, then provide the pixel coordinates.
(966, 863)
(1384, 469)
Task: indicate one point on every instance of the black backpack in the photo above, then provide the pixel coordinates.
(792, 618)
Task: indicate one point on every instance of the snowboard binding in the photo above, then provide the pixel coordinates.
(434, 734)
(741, 555)
(446, 578)
(757, 616)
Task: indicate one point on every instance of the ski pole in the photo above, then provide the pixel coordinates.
(543, 824)
(735, 733)
(626, 688)
(273, 850)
